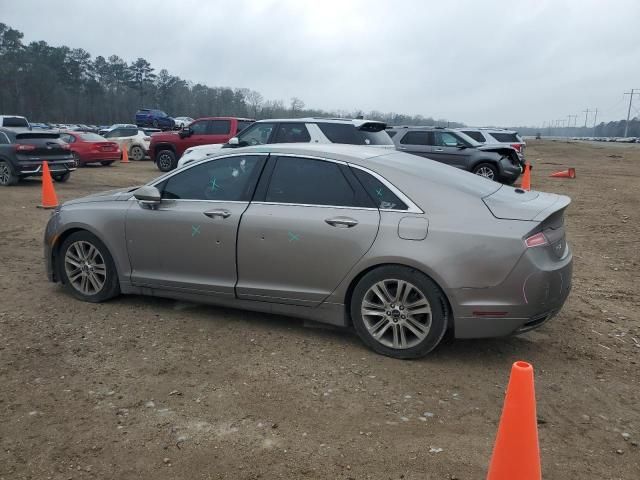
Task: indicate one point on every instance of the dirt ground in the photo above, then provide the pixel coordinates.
(143, 388)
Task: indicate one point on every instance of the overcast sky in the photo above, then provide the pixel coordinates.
(480, 62)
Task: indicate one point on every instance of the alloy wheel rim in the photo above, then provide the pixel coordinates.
(85, 267)
(396, 314)
(164, 161)
(136, 153)
(485, 172)
(76, 160)
(4, 173)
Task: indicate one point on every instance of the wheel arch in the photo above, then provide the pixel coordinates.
(160, 146)
(446, 304)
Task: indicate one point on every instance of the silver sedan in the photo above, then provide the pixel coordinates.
(401, 248)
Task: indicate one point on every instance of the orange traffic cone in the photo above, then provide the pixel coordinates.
(516, 454)
(569, 173)
(125, 154)
(526, 177)
(49, 198)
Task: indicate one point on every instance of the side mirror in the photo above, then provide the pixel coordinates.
(185, 132)
(148, 196)
(461, 146)
(234, 141)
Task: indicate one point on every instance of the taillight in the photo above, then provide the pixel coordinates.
(517, 147)
(24, 148)
(66, 146)
(536, 240)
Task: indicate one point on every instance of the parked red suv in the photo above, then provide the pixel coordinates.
(166, 148)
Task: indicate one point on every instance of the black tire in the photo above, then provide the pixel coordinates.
(106, 163)
(136, 153)
(486, 170)
(7, 177)
(423, 285)
(61, 177)
(110, 287)
(166, 160)
(76, 160)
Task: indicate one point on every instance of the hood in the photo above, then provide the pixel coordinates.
(510, 203)
(495, 148)
(110, 195)
(164, 135)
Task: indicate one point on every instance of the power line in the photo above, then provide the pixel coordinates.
(586, 114)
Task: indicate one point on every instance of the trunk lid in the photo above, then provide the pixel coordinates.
(510, 203)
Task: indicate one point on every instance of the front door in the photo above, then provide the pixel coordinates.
(188, 242)
(450, 149)
(312, 224)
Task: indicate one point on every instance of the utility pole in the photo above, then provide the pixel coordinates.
(575, 120)
(594, 122)
(586, 114)
(631, 93)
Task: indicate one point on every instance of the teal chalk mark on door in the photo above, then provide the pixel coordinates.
(195, 230)
(293, 237)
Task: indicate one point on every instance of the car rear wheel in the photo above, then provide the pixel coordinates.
(166, 160)
(76, 160)
(7, 177)
(137, 153)
(87, 268)
(61, 177)
(486, 170)
(106, 163)
(399, 312)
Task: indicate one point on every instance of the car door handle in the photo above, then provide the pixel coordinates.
(402, 148)
(342, 222)
(438, 150)
(218, 213)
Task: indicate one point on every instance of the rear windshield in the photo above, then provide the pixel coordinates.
(34, 135)
(477, 136)
(15, 122)
(92, 137)
(506, 137)
(349, 134)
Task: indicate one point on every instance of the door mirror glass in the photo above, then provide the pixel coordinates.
(148, 195)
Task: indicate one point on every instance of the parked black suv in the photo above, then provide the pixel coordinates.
(454, 148)
(23, 151)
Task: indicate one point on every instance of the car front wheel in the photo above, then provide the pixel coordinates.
(399, 312)
(486, 170)
(87, 268)
(166, 160)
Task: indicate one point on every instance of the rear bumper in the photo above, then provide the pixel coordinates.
(34, 169)
(508, 171)
(533, 293)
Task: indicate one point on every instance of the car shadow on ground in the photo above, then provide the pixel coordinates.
(491, 351)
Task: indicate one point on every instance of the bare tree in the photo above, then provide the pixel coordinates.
(296, 105)
(254, 99)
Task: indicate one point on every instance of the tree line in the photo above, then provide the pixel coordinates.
(66, 85)
(603, 129)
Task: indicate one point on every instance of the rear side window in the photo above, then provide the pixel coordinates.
(383, 198)
(199, 128)
(477, 136)
(417, 138)
(349, 134)
(128, 132)
(15, 122)
(292, 133)
(310, 182)
(505, 137)
(219, 127)
(228, 179)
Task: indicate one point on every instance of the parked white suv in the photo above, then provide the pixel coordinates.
(300, 130)
(14, 121)
(128, 136)
(497, 136)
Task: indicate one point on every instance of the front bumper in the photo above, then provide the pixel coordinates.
(533, 293)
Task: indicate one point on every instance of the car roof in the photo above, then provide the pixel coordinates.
(344, 121)
(12, 116)
(486, 129)
(224, 118)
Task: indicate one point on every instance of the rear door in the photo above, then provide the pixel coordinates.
(417, 143)
(188, 242)
(309, 224)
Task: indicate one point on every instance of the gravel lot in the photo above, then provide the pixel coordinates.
(157, 389)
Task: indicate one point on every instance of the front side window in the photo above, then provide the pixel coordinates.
(258, 134)
(381, 195)
(310, 182)
(199, 128)
(292, 133)
(227, 179)
(67, 138)
(416, 138)
(219, 127)
(447, 139)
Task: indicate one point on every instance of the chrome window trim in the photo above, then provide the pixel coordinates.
(321, 206)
